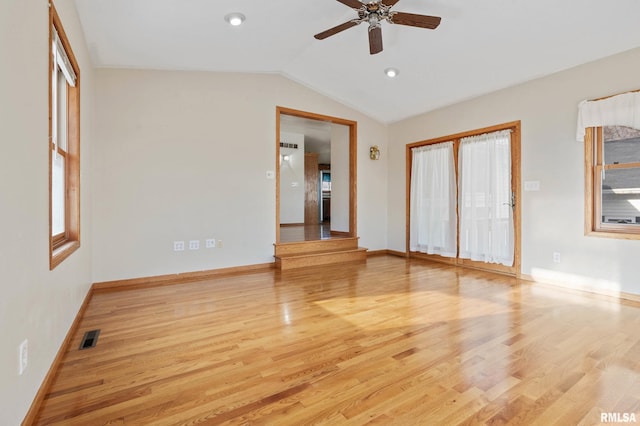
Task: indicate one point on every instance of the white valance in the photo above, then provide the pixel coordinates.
(619, 110)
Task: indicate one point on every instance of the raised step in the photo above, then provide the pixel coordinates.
(323, 257)
(302, 247)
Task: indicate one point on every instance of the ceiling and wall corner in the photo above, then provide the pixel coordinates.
(317, 134)
(479, 47)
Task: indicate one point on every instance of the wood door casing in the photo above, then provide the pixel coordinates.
(311, 201)
(353, 163)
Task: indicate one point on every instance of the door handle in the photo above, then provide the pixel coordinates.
(513, 201)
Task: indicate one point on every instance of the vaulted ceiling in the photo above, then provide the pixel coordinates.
(480, 46)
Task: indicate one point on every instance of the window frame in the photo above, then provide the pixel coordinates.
(594, 166)
(64, 244)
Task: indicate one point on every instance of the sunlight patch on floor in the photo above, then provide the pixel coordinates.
(370, 313)
(580, 283)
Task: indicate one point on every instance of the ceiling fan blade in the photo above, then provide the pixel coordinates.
(336, 30)
(389, 2)
(375, 40)
(411, 19)
(355, 4)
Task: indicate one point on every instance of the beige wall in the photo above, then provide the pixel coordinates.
(35, 303)
(552, 218)
(292, 188)
(183, 155)
(340, 178)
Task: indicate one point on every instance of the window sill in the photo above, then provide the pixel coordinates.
(62, 252)
(617, 235)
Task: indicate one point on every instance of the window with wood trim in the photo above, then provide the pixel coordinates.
(64, 145)
(612, 159)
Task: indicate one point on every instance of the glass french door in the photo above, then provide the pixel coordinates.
(485, 178)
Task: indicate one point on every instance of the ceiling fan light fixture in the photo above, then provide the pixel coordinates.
(391, 72)
(235, 18)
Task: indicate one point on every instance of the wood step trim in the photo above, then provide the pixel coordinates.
(318, 253)
(302, 247)
(287, 262)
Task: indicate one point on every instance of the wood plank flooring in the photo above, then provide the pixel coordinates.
(392, 342)
(294, 233)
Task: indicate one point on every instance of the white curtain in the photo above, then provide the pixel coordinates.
(433, 200)
(619, 110)
(486, 215)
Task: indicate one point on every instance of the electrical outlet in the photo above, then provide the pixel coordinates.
(219, 244)
(23, 356)
(556, 257)
(194, 245)
(210, 243)
(178, 246)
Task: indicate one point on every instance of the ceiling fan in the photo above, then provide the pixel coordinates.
(374, 13)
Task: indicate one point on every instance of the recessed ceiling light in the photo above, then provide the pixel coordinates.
(235, 18)
(391, 72)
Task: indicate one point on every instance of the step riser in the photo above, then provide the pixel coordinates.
(303, 247)
(321, 259)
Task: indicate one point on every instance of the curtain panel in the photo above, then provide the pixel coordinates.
(433, 221)
(485, 203)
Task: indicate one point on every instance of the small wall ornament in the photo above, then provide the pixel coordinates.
(374, 152)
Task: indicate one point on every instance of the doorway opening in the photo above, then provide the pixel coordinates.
(315, 177)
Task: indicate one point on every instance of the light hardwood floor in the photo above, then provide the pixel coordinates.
(295, 233)
(388, 342)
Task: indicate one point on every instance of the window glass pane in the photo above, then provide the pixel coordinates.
(621, 145)
(621, 196)
(57, 194)
(61, 103)
(326, 181)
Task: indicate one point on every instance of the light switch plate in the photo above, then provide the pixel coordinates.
(532, 185)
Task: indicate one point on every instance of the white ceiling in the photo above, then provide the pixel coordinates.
(481, 45)
(317, 134)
